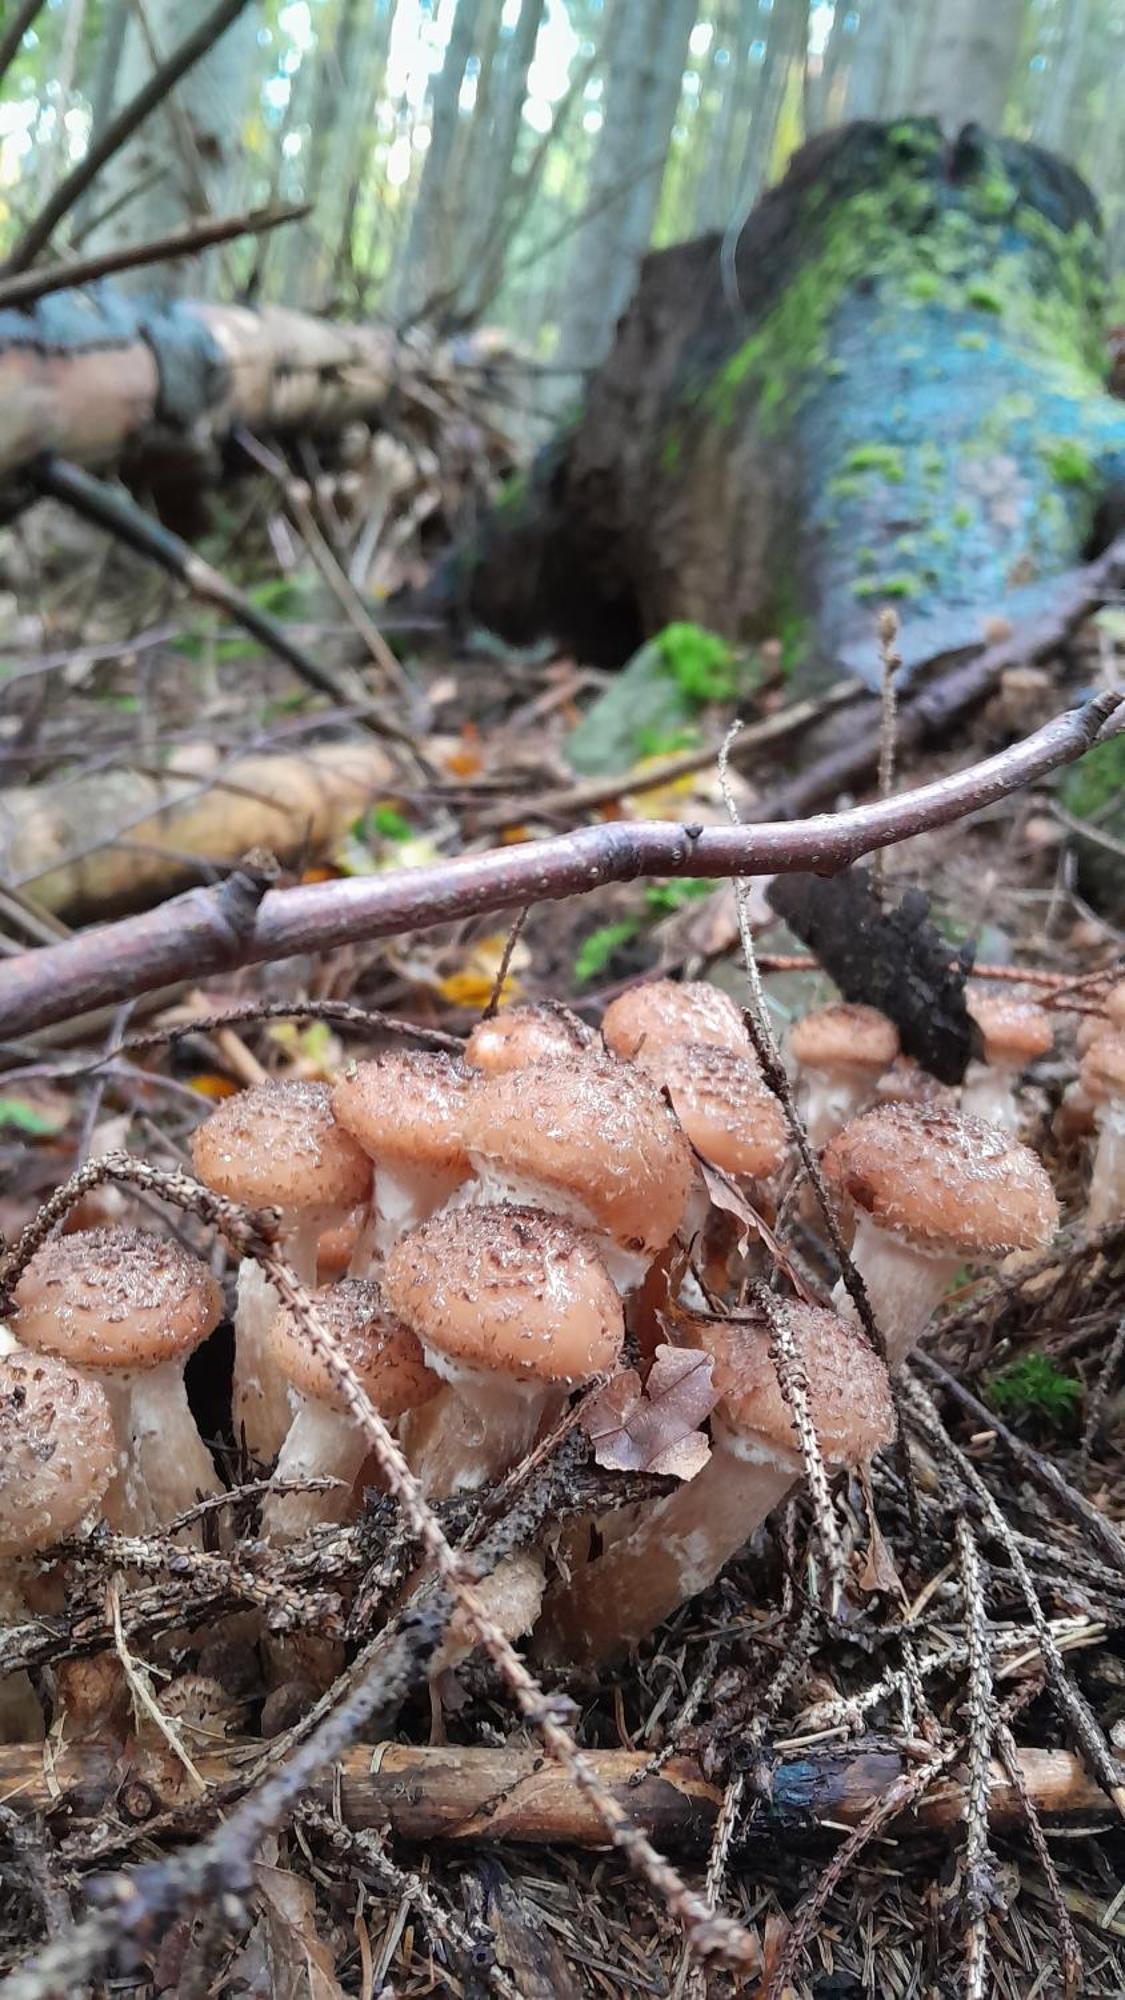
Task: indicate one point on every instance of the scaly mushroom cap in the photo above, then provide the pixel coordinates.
(845, 1037)
(594, 1131)
(731, 1117)
(278, 1145)
(1102, 1070)
(525, 1034)
(849, 1390)
(1015, 1032)
(385, 1354)
(57, 1452)
(943, 1182)
(406, 1107)
(508, 1289)
(115, 1298)
(666, 1011)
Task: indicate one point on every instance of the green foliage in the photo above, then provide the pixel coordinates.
(985, 296)
(700, 663)
(17, 1115)
(1067, 462)
(598, 949)
(662, 898)
(884, 459)
(665, 742)
(386, 822)
(1034, 1386)
(1097, 782)
(902, 583)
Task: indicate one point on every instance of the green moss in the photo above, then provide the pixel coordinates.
(671, 452)
(700, 663)
(1035, 1387)
(922, 286)
(884, 459)
(513, 493)
(973, 343)
(984, 295)
(904, 583)
(844, 486)
(939, 536)
(1068, 463)
(866, 558)
(962, 515)
(1098, 782)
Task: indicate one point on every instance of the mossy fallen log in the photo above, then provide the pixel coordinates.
(891, 388)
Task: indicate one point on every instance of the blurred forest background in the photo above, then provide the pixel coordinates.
(511, 160)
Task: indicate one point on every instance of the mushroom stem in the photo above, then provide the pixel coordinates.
(404, 1197)
(678, 1550)
(474, 1430)
(322, 1443)
(21, 1717)
(259, 1399)
(1107, 1183)
(831, 1100)
(989, 1092)
(904, 1285)
(173, 1465)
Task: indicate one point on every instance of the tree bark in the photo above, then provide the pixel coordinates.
(421, 268)
(788, 27)
(966, 62)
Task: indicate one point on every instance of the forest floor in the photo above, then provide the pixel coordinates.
(756, 1671)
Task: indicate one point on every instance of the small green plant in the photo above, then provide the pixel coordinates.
(1097, 782)
(598, 949)
(665, 742)
(662, 898)
(885, 459)
(700, 663)
(1035, 1387)
(1067, 462)
(387, 822)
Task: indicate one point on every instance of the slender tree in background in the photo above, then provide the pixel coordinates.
(785, 44)
(187, 158)
(967, 60)
(423, 267)
(491, 186)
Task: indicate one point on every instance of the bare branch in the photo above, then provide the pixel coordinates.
(27, 286)
(192, 935)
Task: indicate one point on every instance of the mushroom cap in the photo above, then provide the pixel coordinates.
(729, 1114)
(406, 1107)
(1014, 1031)
(115, 1298)
(1114, 1004)
(278, 1146)
(1102, 1069)
(593, 1130)
(525, 1034)
(849, 1389)
(667, 1011)
(943, 1182)
(508, 1289)
(57, 1451)
(385, 1354)
(845, 1037)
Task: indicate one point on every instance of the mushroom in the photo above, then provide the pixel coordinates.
(127, 1309)
(324, 1440)
(666, 1011)
(932, 1191)
(519, 1035)
(277, 1146)
(57, 1458)
(511, 1595)
(841, 1051)
(513, 1308)
(584, 1136)
(1110, 1018)
(405, 1108)
(1102, 1077)
(1015, 1033)
(683, 1541)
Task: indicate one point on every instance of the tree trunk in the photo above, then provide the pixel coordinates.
(821, 107)
(869, 75)
(421, 268)
(1055, 124)
(904, 403)
(967, 60)
(642, 92)
(486, 210)
(187, 158)
(335, 64)
(788, 29)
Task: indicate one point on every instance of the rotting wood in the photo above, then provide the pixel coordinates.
(497, 1796)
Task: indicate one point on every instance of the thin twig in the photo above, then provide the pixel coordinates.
(981, 1708)
(890, 662)
(504, 967)
(1069, 1950)
(13, 35)
(187, 241)
(1099, 1403)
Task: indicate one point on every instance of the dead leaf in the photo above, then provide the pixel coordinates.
(725, 1193)
(301, 1965)
(878, 1571)
(654, 1427)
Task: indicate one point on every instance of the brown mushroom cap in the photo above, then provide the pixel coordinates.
(115, 1298)
(278, 1145)
(849, 1390)
(406, 1108)
(845, 1037)
(729, 1114)
(508, 1289)
(666, 1011)
(1102, 1070)
(1015, 1032)
(385, 1354)
(593, 1130)
(943, 1182)
(57, 1453)
(528, 1033)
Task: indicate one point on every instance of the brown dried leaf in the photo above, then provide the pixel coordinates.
(725, 1194)
(654, 1427)
(301, 1966)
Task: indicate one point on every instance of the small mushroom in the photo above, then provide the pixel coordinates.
(664, 1010)
(513, 1308)
(57, 1459)
(405, 1107)
(841, 1052)
(1015, 1033)
(1102, 1077)
(324, 1440)
(683, 1541)
(932, 1191)
(277, 1146)
(127, 1309)
(520, 1035)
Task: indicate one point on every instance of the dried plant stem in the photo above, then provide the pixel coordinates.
(795, 1388)
(891, 661)
(1099, 1403)
(1069, 1949)
(981, 1708)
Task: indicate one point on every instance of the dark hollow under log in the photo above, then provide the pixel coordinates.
(894, 392)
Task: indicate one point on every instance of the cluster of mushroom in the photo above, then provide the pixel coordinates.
(486, 1232)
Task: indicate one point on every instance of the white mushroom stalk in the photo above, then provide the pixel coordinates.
(1015, 1034)
(840, 1052)
(1102, 1076)
(404, 1107)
